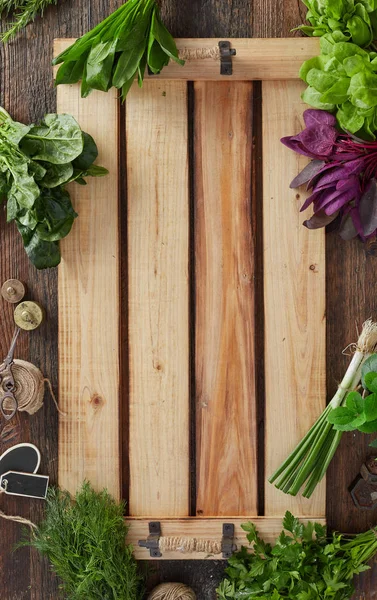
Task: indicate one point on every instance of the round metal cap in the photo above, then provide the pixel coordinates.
(13, 291)
(28, 315)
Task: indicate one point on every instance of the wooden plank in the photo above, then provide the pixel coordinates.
(208, 529)
(89, 309)
(294, 296)
(158, 257)
(256, 59)
(224, 285)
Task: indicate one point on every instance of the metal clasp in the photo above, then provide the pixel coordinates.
(226, 53)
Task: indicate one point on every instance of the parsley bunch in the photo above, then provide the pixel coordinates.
(118, 50)
(303, 564)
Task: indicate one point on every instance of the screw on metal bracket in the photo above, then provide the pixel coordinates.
(152, 543)
(364, 490)
(227, 542)
(226, 53)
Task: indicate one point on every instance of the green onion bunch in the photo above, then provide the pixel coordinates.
(308, 463)
(119, 50)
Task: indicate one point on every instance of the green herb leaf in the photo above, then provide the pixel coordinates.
(341, 416)
(57, 140)
(370, 380)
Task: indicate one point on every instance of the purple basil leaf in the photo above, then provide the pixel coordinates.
(347, 184)
(337, 203)
(307, 173)
(318, 140)
(314, 181)
(320, 219)
(294, 144)
(368, 209)
(313, 198)
(347, 229)
(313, 117)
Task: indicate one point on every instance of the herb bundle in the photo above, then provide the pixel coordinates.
(36, 162)
(308, 462)
(341, 176)
(304, 564)
(84, 538)
(23, 12)
(360, 411)
(118, 50)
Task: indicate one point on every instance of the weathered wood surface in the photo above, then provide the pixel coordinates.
(294, 300)
(27, 93)
(158, 298)
(226, 474)
(88, 310)
(208, 529)
(255, 59)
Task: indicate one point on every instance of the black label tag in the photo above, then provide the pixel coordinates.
(24, 484)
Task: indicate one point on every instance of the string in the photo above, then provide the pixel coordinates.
(16, 518)
(29, 392)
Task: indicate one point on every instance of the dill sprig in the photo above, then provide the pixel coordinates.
(85, 540)
(23, 12)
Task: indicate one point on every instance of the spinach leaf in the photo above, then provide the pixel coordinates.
(57, 140)
(88, 155)
(118, 50)
(35, 164)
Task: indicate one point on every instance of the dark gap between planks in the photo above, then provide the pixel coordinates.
(123, 312)
(192, 292)
(257, 228)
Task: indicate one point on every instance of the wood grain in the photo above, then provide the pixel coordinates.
(206, 529)
(158, 229)
(256, 59)
(294, 300)
(224, 301)
(89, 310)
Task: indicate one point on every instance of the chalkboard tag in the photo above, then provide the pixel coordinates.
(27, 485)
(22, 457)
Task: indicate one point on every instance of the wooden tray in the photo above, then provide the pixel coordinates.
(205, 305)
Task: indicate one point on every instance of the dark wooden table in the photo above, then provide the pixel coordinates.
(27, 92)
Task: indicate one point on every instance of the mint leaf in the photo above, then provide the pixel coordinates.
(341, 416)
(370, 380)
(370, 407)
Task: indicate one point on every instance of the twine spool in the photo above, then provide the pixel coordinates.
(30, 388)
(172, 591)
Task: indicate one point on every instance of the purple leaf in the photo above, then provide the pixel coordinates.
(368, 209)
(307, 173)
(313, 117)
(339, 201)
(319, 140)
(319, 220)
(313, 198)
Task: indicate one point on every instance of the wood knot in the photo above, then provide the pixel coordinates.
(313, 268)
(97, 401)
(158, 365)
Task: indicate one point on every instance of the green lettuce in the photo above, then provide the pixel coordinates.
(343, 79)
(347, 20)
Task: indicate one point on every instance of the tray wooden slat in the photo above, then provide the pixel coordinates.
(89, 310)
(209, 529)
(294, 299)
(256, 59)
(158, 297)
(224, 288)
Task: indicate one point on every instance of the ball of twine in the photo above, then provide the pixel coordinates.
(29, 387)
(172, 591)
